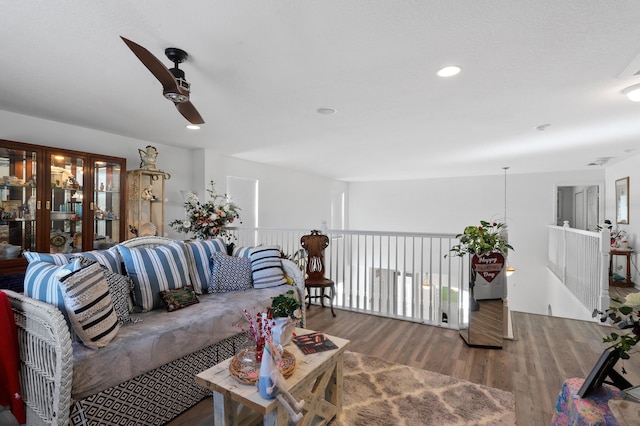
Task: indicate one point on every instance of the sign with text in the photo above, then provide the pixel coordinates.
(490, 278)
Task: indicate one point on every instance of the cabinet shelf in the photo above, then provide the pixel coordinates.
(6, 186)
(145, 201)
(57, 188)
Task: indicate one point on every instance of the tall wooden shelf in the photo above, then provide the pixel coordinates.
(58, 201)
(145, 202)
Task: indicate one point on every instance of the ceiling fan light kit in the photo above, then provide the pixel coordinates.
(633, 92)
(174, 85)
(449, 71)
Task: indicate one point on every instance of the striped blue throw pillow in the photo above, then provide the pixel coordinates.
(242, 252)
(54, 258)
(109, 258)
(155, 269)
(199, 254)
(266, 267)
(42, 282)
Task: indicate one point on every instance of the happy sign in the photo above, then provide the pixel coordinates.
(488, 266)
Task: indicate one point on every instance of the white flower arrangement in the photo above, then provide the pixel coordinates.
(207, 219)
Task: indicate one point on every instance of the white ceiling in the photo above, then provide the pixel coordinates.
(259, 71)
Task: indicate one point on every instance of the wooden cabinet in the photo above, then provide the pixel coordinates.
(57, 201)
(145, 202)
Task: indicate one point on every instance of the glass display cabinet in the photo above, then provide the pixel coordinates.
(64, 206)
(107, 207)
(57, 201)
(18, 199)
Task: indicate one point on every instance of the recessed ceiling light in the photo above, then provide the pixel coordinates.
(327, 111)
(193, 127)
(449, 71)
(633, 92)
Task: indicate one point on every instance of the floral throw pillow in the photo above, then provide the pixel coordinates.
(178, 298)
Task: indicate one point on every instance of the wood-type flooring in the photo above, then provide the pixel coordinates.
(545, 352)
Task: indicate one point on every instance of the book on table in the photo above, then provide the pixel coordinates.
(313, 342)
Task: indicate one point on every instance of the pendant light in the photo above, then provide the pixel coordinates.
(510, 269)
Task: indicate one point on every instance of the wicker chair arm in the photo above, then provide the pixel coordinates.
(146, 242)
(46, 369)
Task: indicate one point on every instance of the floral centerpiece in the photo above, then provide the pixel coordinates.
(207, 219)
(481, 240)
(627, 317)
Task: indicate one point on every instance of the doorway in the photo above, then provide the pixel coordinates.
(578, 205)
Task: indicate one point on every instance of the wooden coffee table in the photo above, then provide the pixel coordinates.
(317, 379)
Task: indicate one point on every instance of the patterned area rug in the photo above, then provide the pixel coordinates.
(378, 392)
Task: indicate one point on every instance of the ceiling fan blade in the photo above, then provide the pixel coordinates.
(153, 64)
(189, 112)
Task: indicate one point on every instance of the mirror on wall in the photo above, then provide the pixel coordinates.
(622, 200)
(578, 205)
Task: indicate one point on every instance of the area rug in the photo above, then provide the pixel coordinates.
(378, 392)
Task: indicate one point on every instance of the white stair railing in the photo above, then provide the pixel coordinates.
(407, 276)
(580, 259)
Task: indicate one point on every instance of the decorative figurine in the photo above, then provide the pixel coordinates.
(271, 383)
(147, 194)
(148, 157)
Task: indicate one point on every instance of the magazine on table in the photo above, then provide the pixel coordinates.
(313, 342)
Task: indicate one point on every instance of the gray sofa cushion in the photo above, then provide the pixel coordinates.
(164, 336)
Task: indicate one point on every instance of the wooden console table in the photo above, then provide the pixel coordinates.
(620, 252)
(317, 379)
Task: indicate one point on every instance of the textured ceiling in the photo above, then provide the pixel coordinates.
(259, 71)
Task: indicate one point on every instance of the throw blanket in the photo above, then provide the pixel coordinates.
(10, 362)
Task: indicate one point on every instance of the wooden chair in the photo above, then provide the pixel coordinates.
(314, 244)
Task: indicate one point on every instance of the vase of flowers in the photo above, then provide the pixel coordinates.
(258, 332)
(285, 311)
(207, 219)
(488, 246)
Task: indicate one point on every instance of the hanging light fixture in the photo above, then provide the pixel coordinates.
(510, 269)
(633, 93)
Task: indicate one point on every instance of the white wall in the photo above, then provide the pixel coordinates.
(287, 198)
(448, 205)
(631, 168)
(562, 303)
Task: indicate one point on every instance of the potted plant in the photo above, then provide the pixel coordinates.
(285, 311)
(484, 239)
(627, 317)
(488, 247)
